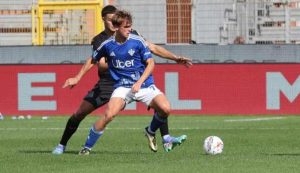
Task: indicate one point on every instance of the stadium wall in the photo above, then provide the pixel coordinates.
(199, 53)
(204, 89)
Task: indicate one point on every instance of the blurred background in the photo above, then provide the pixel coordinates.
(208, 31)
(64, 22)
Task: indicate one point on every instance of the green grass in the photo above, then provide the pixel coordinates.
(267, 145)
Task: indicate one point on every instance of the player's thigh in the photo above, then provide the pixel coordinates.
(124, 93)
(161, 104)
(114, 106)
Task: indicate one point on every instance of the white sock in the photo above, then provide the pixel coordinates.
(167, 138)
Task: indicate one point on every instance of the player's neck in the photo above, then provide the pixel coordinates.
(120, 39)
(109, 32)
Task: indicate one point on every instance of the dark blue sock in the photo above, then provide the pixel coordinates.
(156, 122)
(92, 138)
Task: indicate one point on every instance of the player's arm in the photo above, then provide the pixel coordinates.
(164, 53)
(89, 63)
(71, 82)
(147, 72)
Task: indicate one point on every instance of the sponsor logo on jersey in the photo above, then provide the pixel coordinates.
(123, 64)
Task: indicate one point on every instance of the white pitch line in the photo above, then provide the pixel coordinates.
(254, 119)
(141, 129)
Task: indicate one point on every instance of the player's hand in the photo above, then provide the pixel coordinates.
(184, 60)
(71, 82)
(136, 87)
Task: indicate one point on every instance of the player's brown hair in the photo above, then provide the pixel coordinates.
(120, 17)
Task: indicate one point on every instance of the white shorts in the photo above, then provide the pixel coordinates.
(145, 95)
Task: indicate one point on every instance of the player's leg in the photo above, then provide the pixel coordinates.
(169, 142)
(115, 105)
(95, 98)
(72, 125)
(162, 109)
(74, 121)
(161, 104)
(164, 129)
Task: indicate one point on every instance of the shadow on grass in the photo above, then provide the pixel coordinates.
(282, 154)
(44, 152)
(73, 152)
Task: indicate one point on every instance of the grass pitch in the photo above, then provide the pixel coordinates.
(265, 144)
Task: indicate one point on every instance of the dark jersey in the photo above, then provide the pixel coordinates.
(96, 42)
(102, 90)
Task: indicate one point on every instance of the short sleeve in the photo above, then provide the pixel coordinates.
(99, 53)
(145, 52)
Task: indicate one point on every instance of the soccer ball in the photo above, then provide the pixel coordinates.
(213, 145)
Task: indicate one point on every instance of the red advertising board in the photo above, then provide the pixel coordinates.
(203, 89)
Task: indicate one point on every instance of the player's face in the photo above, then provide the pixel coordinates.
(107, 22)
(125, 29)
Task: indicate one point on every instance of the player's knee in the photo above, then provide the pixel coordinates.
(74, 121)
(108, 117)
(79, 116)
(165, 110)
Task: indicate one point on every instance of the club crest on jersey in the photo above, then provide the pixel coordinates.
(131, 52)
(112, 54)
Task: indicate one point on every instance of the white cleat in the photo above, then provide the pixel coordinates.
(59, 149)
(151, 141)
